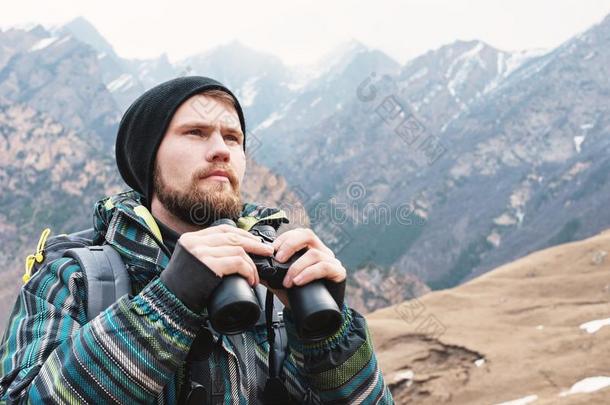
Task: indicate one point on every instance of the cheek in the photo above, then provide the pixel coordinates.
(238, 160)
(178, 166)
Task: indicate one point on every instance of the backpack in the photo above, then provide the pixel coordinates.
(107, 280)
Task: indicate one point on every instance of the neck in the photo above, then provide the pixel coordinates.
(159, 211)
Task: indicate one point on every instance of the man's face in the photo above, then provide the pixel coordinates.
(200, 162)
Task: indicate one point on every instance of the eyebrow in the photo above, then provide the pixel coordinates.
(206, 126)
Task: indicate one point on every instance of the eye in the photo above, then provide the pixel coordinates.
(232, 138)
(194, 131)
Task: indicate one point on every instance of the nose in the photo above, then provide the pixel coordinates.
(218, 150)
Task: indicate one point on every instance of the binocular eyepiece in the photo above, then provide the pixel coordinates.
(234, 308)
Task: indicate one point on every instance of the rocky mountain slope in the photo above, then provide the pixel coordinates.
(432, 172)
(51, 177)
(535, 330)
(468, 158)
(58, 121)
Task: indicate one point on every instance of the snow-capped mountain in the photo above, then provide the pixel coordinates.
(57, 73)
(478, 154)
(491, 154)
(259, 80)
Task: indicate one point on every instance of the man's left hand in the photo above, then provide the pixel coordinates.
(318, 262)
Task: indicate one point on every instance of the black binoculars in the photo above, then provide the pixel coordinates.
(234, 308)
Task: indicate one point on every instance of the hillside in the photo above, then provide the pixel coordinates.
(522, 331)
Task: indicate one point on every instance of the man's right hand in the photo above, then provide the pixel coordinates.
(224, 249)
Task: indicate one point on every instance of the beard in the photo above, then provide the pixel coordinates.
(199, 204)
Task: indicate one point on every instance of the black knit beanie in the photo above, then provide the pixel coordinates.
(145, 122)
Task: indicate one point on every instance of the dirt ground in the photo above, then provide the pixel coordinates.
(510, 334)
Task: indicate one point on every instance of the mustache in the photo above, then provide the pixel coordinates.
(200, 174)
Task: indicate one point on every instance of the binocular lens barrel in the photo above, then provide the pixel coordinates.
(233, 307)
(316, 314)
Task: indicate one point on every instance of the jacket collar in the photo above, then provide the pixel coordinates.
(126, 224)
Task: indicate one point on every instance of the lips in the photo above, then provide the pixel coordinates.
(218, 173)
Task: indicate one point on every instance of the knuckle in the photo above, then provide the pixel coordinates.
(236, 250)
(317, 254)
(185, 239)
(293, 271)
(195, 250)
(312, 256)
(233, 238)
(245, 268)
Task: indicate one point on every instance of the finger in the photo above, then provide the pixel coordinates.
(231, 239)
(253, 245)
(297, 240)
(226, 265)
(204, 236)
(293, 241)
(254, 269)
(202, 252)
(311, 257)
(280, 239)
(224, 228)
(318, 271)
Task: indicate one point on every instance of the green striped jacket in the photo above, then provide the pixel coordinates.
(134, 351)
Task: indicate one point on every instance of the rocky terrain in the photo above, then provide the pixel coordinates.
(419, 176)
(467, 158)
(535, 330)
(58, 121)
(52, 177)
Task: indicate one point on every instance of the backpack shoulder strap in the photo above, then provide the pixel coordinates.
(106, 276)
(280, 346)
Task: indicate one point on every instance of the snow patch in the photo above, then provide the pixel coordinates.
(123, 82)
(417, 75)
(588, 385)
(248, 92)
(43, 43)
(269, 121)
(594, 326)
(316, 101)
(520, 215)
(517, 59)
(508, 63)
(404, 375)
(578, 140)
(468, 60)
(453, 118)
(64, 39)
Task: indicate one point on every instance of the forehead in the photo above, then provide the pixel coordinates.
(206, 110)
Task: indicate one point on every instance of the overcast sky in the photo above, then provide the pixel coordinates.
(301, 31)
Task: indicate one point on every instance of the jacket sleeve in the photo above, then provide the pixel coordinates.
(127, 354)
(340, 369)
